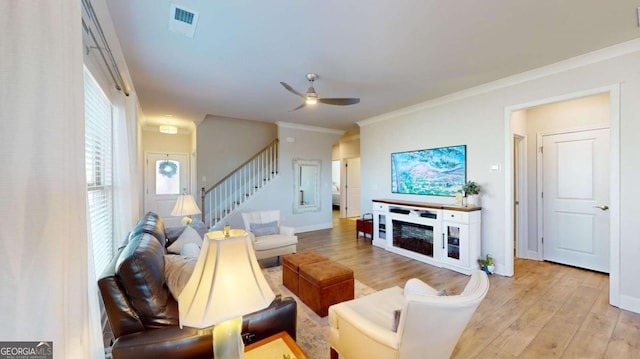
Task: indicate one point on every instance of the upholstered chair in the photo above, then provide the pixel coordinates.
(270, 239)
(417, 322)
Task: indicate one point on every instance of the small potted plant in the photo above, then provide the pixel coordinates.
(487, 264)
(471, 191)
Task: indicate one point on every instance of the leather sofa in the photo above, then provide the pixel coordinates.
(143, 314)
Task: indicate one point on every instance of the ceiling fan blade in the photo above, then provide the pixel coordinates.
(297, 108)
(339, 101)
(290, 89)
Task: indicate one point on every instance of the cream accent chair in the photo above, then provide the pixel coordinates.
(429, 325)
(279, 240)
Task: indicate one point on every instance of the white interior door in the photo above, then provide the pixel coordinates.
(167, 176)
(352, 187)
(575, 198)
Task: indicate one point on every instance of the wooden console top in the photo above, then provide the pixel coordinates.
(450, 207)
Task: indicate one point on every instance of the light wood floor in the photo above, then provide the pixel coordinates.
(545, 310)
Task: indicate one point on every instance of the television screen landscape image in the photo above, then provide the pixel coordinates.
(434, 172)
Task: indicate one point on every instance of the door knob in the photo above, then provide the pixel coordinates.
(604, 208)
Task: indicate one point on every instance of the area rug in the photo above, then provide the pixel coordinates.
(312, 333)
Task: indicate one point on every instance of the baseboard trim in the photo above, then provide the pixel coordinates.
(532, 255)
(631, 304)
(314, 227)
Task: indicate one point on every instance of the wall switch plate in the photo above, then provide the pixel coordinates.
(495, 168)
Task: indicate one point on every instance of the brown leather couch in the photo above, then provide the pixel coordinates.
(143, 314)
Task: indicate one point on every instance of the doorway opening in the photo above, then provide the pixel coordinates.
(351, 188)
(335, 185)
(520, 211)
(525, 216)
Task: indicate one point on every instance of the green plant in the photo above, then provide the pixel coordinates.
(488, 260)
(471, 188)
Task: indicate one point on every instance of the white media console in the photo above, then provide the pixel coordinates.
(440, 235)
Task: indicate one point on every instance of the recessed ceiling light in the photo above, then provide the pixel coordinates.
(171, 130)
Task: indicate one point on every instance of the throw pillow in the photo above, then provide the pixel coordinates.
(190, 251)
(264, 229)
(177, 271)
(396, 320)
(188, 236)
(172, 233)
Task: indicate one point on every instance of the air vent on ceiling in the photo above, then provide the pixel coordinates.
(182, 20)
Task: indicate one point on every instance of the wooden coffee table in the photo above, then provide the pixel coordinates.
(274, 347)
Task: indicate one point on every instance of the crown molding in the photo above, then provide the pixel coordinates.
(297, 126)
(589, 58)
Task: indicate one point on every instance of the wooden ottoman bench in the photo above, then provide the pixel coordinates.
(323, 284)
(291, 264)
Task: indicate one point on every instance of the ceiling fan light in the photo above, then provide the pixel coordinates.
(311, 98)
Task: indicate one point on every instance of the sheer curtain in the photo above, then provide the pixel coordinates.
(125, 158)
(45, 279)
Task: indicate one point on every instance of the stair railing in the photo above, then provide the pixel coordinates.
(222, 199)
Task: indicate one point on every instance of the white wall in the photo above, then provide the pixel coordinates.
(309, 143)
(335, 172)
(475, 117)
(153, 141)
(519, 122)
(347, 147)
(223, 144)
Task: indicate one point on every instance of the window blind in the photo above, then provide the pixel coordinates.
(99, 172)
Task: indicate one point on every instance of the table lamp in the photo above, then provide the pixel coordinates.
(226, 283)
(185, 206)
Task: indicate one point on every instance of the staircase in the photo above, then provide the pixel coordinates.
(224, 197)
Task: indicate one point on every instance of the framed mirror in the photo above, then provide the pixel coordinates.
(306, 195)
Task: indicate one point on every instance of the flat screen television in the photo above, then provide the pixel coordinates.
(434, 172)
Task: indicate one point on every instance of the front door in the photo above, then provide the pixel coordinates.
(167, 176)
(575, 198)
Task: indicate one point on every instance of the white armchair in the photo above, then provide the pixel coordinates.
(270, 239)
(429, 325)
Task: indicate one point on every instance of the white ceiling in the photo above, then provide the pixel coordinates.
(390, 54)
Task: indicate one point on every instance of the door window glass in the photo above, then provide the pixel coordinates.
(167, 177)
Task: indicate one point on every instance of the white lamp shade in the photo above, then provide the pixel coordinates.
(185, 206)
(226, 283)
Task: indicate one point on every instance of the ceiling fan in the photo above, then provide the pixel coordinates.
(311, 97)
